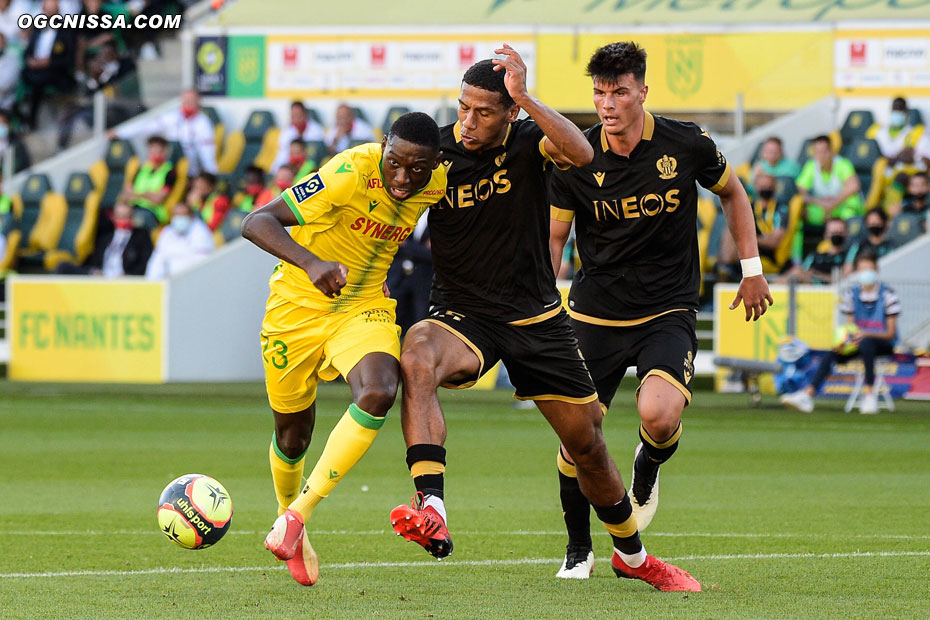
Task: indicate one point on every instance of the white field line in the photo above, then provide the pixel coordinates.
(453, 563)
(647, 535)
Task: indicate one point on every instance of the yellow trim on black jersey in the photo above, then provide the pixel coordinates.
(661, 445)
(470, 345)
(565, 399)
(560, 215)
(548, 157)
(668, 377)
(584, 318)
(539, 318)
(719, 185)
(649, 128)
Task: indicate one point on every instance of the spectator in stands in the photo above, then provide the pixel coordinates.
(90, 40)
(301, 127)
(897, 139)
(875, 242)
(299, 160)
(49, 62)
(253, 182)
(10, 10)
(204, 198)
(10, 141)
(187, 125)
(771, 222)
(411, 275)
(922, 153)
(7, 223)
(183, 243)
(348, 129)
(154, 180)
(122, 247)
(873, 307)
(830, 188)
(819, 265)
(10, 66)
(283, 179)
(772, 160)
(915, 199)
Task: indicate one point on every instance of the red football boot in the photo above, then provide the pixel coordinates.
(285, 535)
(660, 575)
(424, 526)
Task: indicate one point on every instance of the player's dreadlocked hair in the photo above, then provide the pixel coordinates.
(615, 59)
(416, 127)
(482, 75)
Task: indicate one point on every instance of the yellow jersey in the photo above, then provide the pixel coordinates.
(345, 214)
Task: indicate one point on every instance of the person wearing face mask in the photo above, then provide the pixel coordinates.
(819, 265)
(301, 127)
(122, 247)
(253, 183)
(771, 219)
(10, 66)
(897, 142)
(185, 241)
(299, 161)
(873, 307)
(152, 183)
(204, 198)
(916, 198)
(876, 224)
(283, 179)
(188, 125)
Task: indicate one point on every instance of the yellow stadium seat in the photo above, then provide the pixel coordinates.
(82, 203)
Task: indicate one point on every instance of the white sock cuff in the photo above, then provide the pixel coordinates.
(633, 561)
(438, 506)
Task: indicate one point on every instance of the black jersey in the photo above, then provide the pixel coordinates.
(490, 235)
(636, 221)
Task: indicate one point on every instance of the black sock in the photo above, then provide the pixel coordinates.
(658, 451)
(576, 510)
(427, 463)
(621, 524)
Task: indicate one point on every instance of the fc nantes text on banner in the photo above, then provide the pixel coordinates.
(79, 329)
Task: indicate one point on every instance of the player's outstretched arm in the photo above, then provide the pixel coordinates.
(565, 143)
(558, 236)
(753, 289)
(265, 227)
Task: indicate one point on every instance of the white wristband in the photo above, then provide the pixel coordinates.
(751, 266)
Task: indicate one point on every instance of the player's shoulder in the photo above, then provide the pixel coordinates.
(675, 129)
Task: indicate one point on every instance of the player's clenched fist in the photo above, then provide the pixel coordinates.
(328, 276)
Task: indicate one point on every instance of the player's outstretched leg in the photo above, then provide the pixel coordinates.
(431, 356)
(579, 428)
(576, 510)
(660, 405)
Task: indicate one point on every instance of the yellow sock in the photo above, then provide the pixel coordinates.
(347, 444)
(286, 474)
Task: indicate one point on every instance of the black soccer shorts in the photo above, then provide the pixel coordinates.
(542, 359)
(664, 346)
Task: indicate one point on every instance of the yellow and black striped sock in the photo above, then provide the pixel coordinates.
(286, 473)
(620, 523)
(427, 463)
(659, 451)
(576, 510)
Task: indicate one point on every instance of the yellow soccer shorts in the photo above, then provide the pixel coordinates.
(301, 346)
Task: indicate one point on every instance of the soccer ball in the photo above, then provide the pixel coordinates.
(194, 511)
(843, 339)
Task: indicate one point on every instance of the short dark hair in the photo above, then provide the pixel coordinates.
(823, 138)
(297, 103)
(615, 59)
(925, 176)
(880, 212)
(482, 75)
(416, 127)
(865, 254)
(298, 141)
(776, 140)
(834, 218)
(156, 139)
(208, 177)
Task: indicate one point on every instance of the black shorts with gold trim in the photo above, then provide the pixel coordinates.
(663, 346)
(542, 358)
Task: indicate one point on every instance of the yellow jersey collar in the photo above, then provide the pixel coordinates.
(649, 127)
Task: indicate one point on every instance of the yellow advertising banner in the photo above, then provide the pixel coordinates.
(759, 340)
(697, 72)
(80, 329)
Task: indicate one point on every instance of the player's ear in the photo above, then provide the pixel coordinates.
(642, 94)
(438, 160)
(383, 144)
(512, 113)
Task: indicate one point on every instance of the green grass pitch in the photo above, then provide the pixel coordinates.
(778, 514)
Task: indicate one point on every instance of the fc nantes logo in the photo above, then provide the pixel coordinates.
(666, 167)
(684, 71)
(689, 367)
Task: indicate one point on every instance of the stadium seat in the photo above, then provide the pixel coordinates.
(360, 113)
(109, 173)
(786, 245)
(866, 158)
(179, 191)
(855, 229)
(42, 220)
(9, 225)
(318, 152)
(785, 189)
(314, 114)
(914, 117)
(446, 115)
(355, 143)
(856, 125)
(256, 143)
(807, 147)
(905, 227)
(392, 115)
(82, 202)
(232, 225)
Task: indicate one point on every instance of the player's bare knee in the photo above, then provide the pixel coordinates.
(660, 418)
(292, 440)
(377, 399)
(417, 366)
